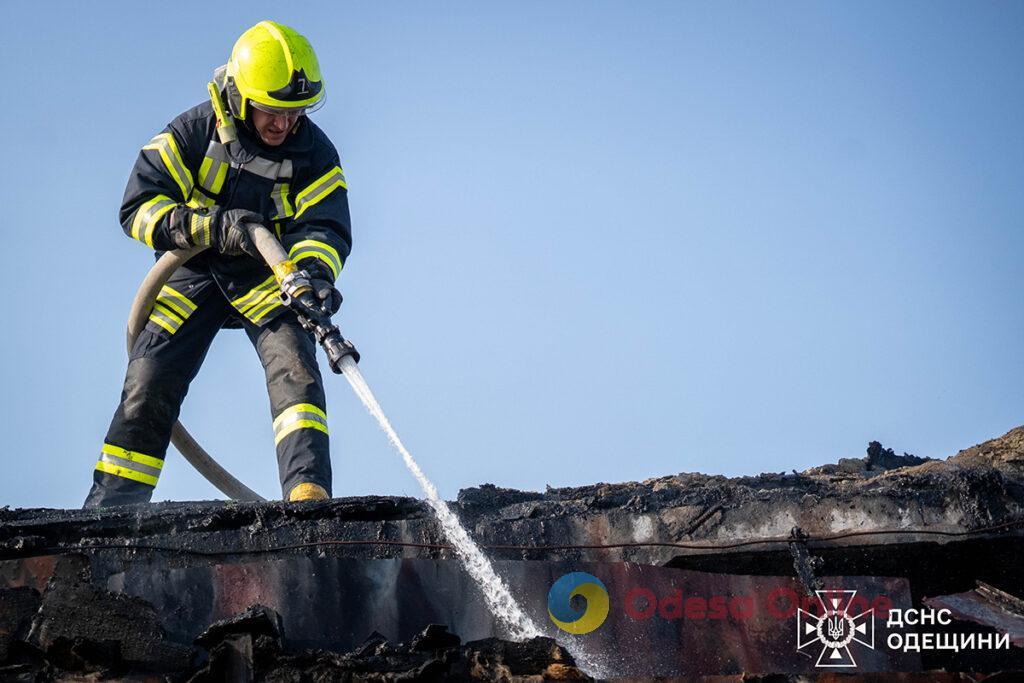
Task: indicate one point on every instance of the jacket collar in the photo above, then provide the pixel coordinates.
(249, 146)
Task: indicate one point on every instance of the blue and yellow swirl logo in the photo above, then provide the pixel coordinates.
(560, 607)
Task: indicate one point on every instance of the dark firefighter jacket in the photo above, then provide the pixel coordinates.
(299, 188)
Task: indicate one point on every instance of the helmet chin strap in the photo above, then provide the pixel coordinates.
(235, 101)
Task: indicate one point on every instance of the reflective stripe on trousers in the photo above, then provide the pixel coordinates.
(301, 416)
(122, 462)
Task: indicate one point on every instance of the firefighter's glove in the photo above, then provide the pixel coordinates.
(221, 229)
(229, 233)
(322, 280)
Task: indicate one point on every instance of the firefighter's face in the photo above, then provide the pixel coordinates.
(272, 128)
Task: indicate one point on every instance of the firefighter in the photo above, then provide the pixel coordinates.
(189, 189)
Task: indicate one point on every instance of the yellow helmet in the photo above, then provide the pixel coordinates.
(273, 68)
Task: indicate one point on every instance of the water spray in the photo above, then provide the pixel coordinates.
(297, 294)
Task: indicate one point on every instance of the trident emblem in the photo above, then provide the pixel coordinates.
(836, 629)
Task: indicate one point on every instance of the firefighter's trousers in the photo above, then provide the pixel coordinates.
(161, 365)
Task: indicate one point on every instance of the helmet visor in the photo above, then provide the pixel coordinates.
(288, 111)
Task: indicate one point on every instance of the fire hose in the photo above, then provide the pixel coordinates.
(296, 292)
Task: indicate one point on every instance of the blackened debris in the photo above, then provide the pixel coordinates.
(433, 654)
(885, 459)
(82, 627)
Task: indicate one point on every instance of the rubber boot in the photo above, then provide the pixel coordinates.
(307, 491)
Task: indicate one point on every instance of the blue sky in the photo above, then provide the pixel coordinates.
(593, 241)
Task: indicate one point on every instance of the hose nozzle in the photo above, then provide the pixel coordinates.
(337, 347)
(297, 293)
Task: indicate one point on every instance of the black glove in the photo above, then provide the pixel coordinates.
(229, 235)
(322, 279)
(221, 229)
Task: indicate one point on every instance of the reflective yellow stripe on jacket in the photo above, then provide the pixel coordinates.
(148, 215)
(212, 173)
(122, 462)
(317, 249)
(165, 145)
(300, 416)
(171, 309)
(259, 301)
(315, 192)
(280, 196)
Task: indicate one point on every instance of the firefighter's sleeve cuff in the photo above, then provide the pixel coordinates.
(322, 251)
